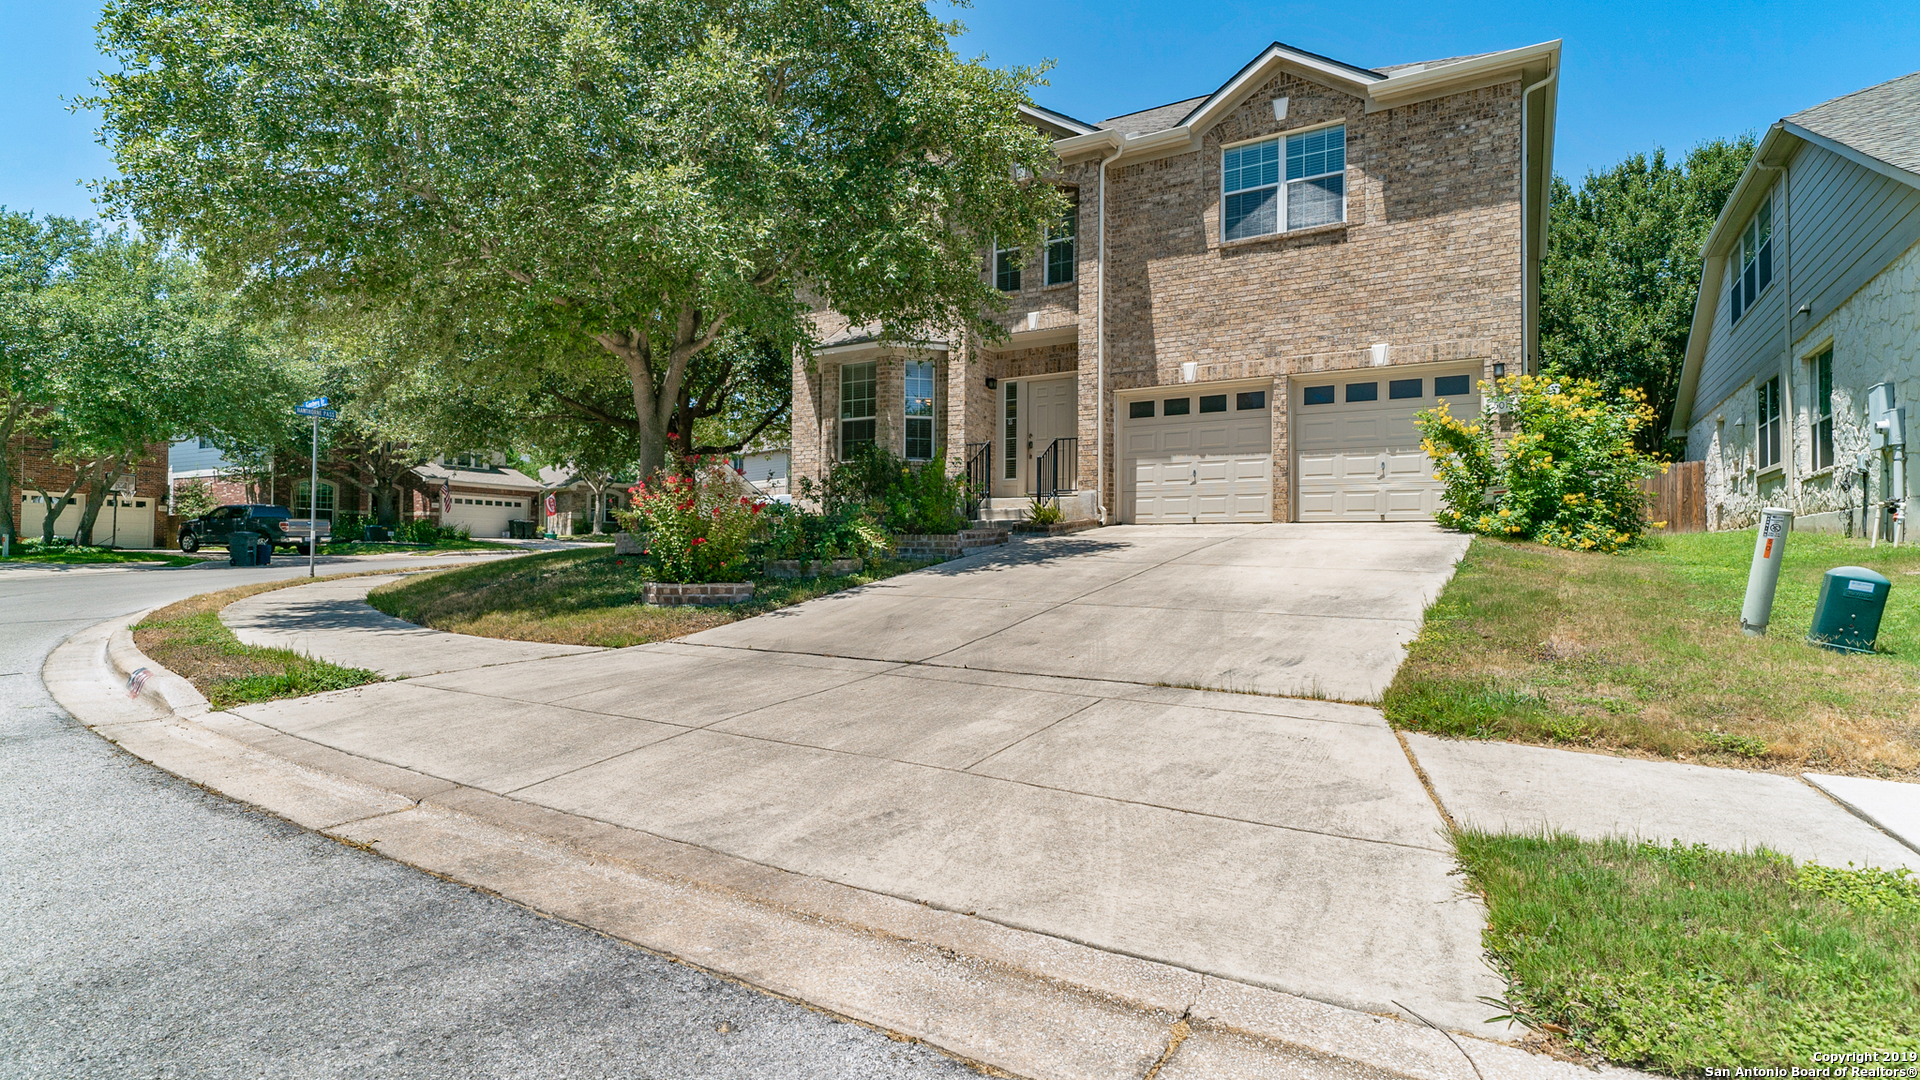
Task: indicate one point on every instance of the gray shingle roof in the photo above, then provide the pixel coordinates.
(1422, 65)
(1881, 121)
(1147, 121)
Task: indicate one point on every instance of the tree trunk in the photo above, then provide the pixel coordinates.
(107, 476)
(9, 525)
(386, 505)
(55, 506)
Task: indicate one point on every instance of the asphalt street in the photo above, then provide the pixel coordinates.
(149, 928)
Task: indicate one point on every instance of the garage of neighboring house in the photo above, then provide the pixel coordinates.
(1193, 453)
(124, 521)
(485, 516)
(1357, 453)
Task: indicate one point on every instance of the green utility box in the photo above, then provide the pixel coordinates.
(1847, 618)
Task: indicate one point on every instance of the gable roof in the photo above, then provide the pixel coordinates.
(1180, 125)
(1881, 121)
(1158, 118)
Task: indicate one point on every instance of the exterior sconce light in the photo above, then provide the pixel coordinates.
(1499, 371)
(993, 383)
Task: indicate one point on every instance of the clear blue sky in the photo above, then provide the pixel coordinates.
(1637, 75)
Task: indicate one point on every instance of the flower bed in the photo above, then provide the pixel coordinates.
(946, 545)
(708, 594)
(799, 568)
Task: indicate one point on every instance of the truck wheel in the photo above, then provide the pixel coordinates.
(301, 550)
(189, 543)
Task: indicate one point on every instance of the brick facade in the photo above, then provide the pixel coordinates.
(35, 459)
(1430, 260)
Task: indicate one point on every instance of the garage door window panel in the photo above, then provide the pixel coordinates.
(1363, 391)
(1177, 407)
(1453, 386)
(1399, 389)
(1140, 410)
(1250, 399)
(1318, 395)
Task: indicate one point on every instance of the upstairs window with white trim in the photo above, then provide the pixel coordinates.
(1060, 246)
(1006, 268)
(919, 387)
(859, 386)
(1767, 426)
(1260, 195)
(1753, 254)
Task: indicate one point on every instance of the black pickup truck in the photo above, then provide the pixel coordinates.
(229, 525)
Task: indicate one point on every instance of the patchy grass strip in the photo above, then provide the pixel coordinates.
(1641, 653)
(1679, 959)
(189, 640)
(23, 556)
(584, 597)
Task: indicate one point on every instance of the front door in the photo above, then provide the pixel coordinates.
(1033, 413)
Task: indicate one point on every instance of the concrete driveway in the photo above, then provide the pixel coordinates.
(1014, 736)
(1317, 611)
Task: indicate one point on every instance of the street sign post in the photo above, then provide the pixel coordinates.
(317, 409)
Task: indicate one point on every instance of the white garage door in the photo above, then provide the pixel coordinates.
(1197, 454)
(485, 516)
(1357, 453)
(124, 521)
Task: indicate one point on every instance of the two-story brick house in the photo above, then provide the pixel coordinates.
(1255, 292)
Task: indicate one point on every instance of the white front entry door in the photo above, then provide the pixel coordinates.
(1195, 454)
(1034, 412)
(1356, 450)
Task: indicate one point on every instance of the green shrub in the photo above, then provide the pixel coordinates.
(901, 496)
(193, 499)
(428, 531)
(842, 533)
(698, 525)
(1042, 512)
(1568, 477)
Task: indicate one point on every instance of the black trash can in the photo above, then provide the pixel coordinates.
(243, 551)
(263, 553)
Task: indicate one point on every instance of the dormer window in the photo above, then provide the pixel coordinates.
(1753, 254)
(1256, 201)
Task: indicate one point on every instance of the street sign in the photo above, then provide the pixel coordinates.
(316, 408)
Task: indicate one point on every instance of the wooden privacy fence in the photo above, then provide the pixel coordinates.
(1679, 497)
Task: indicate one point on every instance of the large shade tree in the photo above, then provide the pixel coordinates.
(589, 179)
(121, 347)
(1622, 269)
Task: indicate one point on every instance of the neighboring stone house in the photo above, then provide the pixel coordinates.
(1256, 291)
(1809, 295)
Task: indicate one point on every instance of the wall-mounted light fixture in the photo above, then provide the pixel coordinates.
(1499, 371)
(993, 383)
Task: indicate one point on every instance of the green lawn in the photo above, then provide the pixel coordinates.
(1642, 653)
(22, 554)
(582, 597)
(1676, 959)
(189, 640)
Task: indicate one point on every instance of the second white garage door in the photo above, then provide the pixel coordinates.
(1197, 454)
(1357, 453)
(485, 517)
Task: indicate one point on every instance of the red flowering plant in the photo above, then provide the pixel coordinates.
(697, 521)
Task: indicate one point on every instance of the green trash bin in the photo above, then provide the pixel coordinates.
(1847, 618)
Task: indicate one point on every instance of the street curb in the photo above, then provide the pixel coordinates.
(1012, 1001)
(168, 692)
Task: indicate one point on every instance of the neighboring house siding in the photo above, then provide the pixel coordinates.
(1844, 223)
(1875, 334)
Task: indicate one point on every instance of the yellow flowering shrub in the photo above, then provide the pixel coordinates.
(1569, 476)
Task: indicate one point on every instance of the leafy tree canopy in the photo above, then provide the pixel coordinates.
(578, 179)
(1622, 270)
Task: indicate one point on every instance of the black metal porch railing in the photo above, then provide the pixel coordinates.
(979, 476)
(1057, 469)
